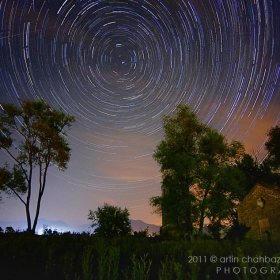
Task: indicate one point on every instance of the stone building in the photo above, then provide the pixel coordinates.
(260, 210)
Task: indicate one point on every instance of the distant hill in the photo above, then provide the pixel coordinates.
(61, 226)
(140, 225)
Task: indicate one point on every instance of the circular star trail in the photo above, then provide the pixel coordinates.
(119, 66)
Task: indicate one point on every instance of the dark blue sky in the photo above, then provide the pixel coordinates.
(119, 67)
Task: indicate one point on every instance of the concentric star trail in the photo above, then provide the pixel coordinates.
(120, 66)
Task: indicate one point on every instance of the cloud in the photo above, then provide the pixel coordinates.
(103, 199)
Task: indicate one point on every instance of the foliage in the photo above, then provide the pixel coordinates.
(272, 145)
(108, 262)
(12, 181)
(140, 268)
(200, 177)
(80, 256)
(256, 172)
(252, 171)
(49, 231)
(170, 268)
(87, 261)
(110, 221)
(33, 136)
(9, 230)
(237, 231)
(142, 233)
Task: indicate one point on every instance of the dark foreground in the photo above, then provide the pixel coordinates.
(86, 257)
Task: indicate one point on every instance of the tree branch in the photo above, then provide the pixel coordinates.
(17, 195)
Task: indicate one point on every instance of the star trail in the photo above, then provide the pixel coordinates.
(119, 67)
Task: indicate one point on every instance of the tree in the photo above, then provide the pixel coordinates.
(9, 230)
(272, 145)
(175, 155)
(200, 178)
(257, 172)
(237, 231)
(219, 183)
(110, 221)
(252, 171)
(34, 137)
(266, 171)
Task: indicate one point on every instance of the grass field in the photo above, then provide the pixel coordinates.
(83, 256)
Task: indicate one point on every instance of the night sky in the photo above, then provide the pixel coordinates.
(119, 67)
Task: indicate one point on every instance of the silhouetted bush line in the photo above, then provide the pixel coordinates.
(88, 257)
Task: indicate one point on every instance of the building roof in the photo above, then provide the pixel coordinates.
(262, 189)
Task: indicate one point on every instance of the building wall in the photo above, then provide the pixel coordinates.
(260, 210)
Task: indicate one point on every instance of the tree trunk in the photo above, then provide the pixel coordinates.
(27, 204)
(189, 225)
(37, 212)
(28, 218)
(185, 209)
(202, 212)
(43, 180)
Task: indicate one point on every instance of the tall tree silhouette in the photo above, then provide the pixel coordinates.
(200, 177)
(34, 138)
